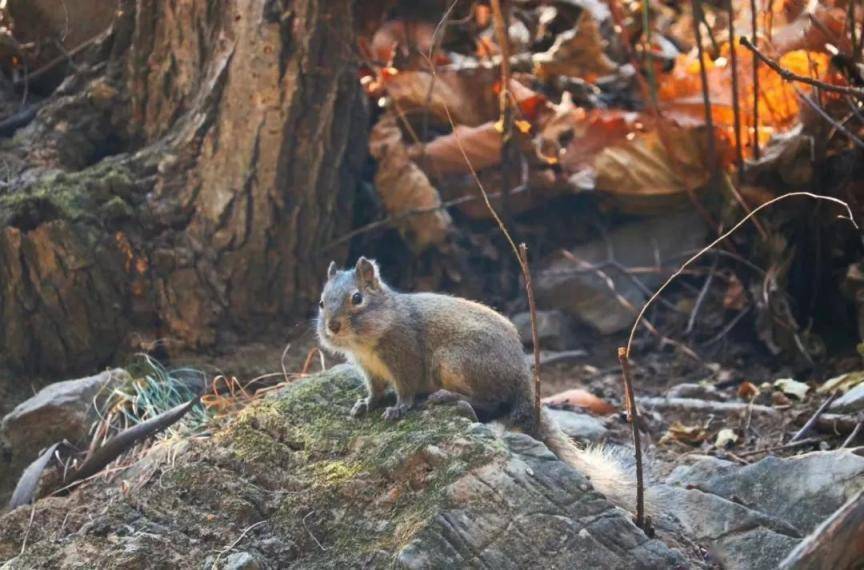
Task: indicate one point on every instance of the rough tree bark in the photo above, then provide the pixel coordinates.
(179, 183)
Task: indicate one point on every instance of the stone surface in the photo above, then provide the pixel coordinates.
(59, 411)
(303, 485)
(561, 283)
(751, 517)
(851, 401)
(63, 410)
(554, 330)
(582, 427)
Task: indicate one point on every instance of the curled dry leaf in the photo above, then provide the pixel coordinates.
(651, 171)
(578, 398)
(748, 391)
(842, 383)
(576, 53)
(725, 438)
(442, 156)
(402, 186)
(791, 387)
(690, 435)
(468, 93)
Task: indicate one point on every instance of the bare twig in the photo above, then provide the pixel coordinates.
(736, 109)
(691, 322)
(813, 419)
(67, 56)
(729, 326)
(29, 526)
(535, 338)
(228, 548)
(784, 447)
(318, 542)
(703, 75)
(836, 423)
(849, 440)
(790, 76)
(720, 239)
(372, 226)
(754, 33)
(819, 110)
(633, 418)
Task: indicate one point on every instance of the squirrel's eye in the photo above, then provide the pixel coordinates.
(356, 298)
(321, 303)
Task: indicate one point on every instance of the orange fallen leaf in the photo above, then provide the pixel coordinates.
(579, 398)
(747, 391)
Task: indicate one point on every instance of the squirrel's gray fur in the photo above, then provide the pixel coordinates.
(442, 348)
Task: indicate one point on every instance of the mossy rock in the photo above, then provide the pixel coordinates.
(292, 481)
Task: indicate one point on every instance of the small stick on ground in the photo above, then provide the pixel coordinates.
(691, 322)
(535, 338)
(784, 447)
(813, 419)
(633, 418)
(853, 435)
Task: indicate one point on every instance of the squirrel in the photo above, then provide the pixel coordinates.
(436, 349)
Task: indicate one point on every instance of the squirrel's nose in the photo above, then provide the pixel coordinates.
(334, 326)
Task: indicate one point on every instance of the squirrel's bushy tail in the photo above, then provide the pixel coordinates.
(604, 466)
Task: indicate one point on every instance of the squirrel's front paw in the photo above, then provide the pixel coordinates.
(394, 413)
(360, 408)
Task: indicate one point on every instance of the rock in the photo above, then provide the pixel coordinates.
(63, 410)
(59, 411)
(561, 283)
(802, 490)
(432, 491)
(554, 330)
(753, 516)
(851, 401)
(583, 427)
(240, 561)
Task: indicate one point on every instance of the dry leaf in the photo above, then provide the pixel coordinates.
(575, 53)
(792, 388)
(578, 398)
(442, 156)
(843, 383)
(680, 93)
(649, 172)
(403, 186)
(747, 391)
(725, 438)
(678, 432)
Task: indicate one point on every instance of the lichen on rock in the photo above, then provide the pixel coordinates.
(293, 481)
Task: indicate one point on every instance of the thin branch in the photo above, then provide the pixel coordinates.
(691, 322)
(736, 108)
(813, 419)
(853, 434)
(703, 76)
(754, 32)
(535, 337)
(790, 76)
(784, 447)
(720, 239)
(821, 112)
(372, 226)
(633, 419)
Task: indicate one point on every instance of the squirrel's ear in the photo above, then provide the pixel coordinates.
(367, 273)
(331, 270)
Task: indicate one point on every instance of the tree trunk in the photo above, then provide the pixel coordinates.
(179, 184)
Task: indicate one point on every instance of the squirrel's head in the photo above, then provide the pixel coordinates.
(352, 310)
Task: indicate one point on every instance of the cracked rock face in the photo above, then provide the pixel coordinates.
(292, 481)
